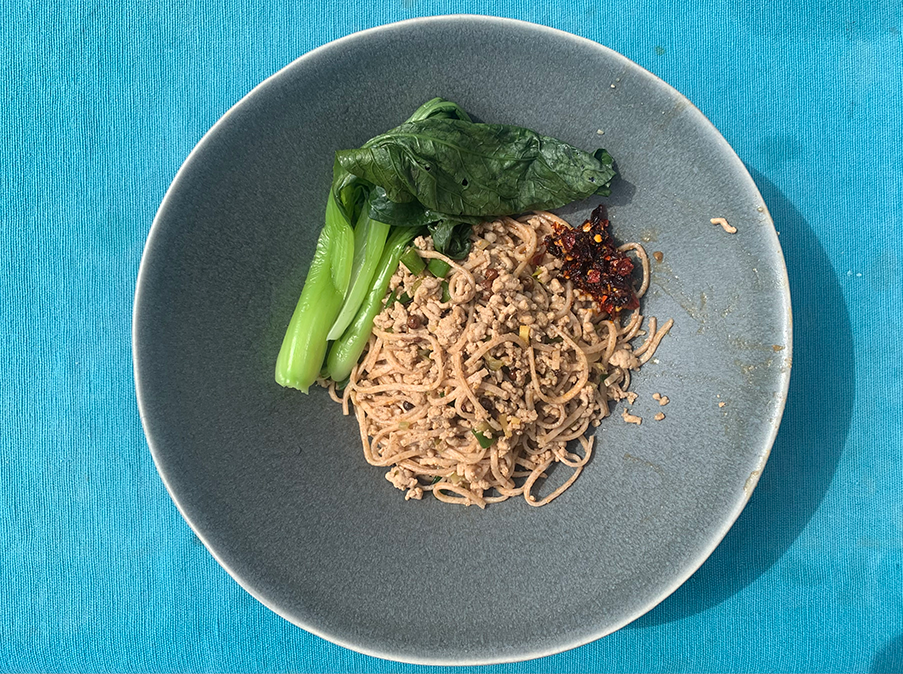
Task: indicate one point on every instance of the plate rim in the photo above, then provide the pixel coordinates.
(714, 539)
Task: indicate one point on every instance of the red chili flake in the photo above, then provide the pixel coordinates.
(593, 263)
(623, 267)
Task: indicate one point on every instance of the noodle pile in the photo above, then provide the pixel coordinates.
(476, 387)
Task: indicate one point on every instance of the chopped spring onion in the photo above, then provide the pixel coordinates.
(413, 261)
(483, 440)
(438, 268)
(392, 298)
(524, 333)
(446, 295)
(494, 364)
(503, 422)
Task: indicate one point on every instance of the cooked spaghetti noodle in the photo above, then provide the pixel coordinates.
(480, 383)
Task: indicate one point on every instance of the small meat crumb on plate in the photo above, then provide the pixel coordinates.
(659, 416)
(631, 418)
(724, 225)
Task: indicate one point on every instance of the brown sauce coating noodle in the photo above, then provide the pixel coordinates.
(478, 401)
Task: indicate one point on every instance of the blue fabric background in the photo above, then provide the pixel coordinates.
(103, 100)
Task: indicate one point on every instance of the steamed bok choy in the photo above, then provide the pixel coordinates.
(438, 173)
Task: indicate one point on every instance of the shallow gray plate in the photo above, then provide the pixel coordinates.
(275, 483)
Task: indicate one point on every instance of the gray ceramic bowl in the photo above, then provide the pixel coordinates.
(274, 482)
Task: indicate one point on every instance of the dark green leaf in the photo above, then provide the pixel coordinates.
(455, 167)
(451, 234)
(451, 238)
(439, 107)
(404, 214)
(605, 159)
(350, 192)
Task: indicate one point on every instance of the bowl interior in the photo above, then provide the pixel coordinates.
(274, 482)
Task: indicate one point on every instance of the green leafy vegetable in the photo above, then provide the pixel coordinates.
(451, 234)
(408, 214)
(304, 346)
(439, 172)
(451, 238)
(456, 167)
(348, 348)
(439, 108)
(369, 241)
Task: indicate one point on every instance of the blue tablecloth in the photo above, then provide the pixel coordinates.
(101, 103)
